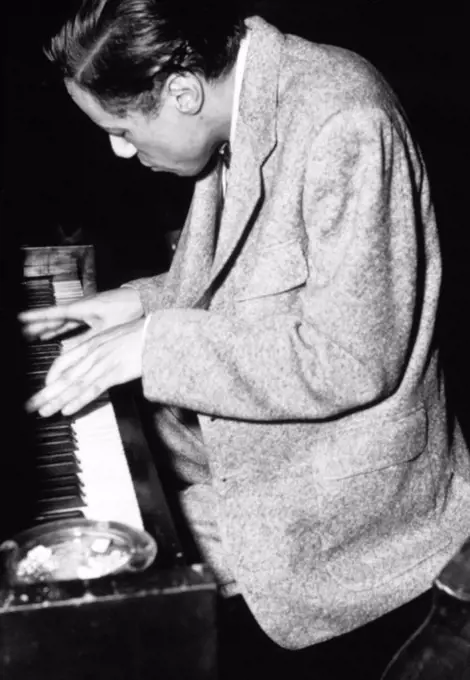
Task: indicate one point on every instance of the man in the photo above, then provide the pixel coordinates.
(291, 344)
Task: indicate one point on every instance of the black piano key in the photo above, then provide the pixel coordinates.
(56, 423)
(64, 490)
(44, 350)
(38, 299)
(51, 436)
(41, 359)
(54, 503)
(56, 419)
(56, 483)
(59, 514)
(69, 478)
(46, 458)
(39, 365)
(37, 375)
(47, 452)
(55, 435)
(58, 453)
(59, 502)
(59, 489)
(43, 347)
(57, 469)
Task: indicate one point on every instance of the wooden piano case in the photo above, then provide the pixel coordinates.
(157, 625)
(160, 623)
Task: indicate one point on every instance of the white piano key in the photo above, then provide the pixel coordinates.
(108, 490)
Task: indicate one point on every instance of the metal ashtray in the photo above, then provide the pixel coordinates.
(77, 549)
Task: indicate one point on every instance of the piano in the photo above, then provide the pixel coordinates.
(159, 623)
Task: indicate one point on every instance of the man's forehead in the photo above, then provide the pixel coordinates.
(91, 106)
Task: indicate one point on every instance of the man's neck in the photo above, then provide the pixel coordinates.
(219, 105)
(223, 99)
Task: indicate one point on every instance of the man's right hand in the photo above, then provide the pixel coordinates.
(98, 312)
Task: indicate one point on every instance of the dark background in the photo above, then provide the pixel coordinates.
(61, 183)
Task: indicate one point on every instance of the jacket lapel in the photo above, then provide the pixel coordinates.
(255, 139)
(244, 190)
(195, 267)
(194, 257)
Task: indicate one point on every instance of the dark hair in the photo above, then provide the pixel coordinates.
(122, 51)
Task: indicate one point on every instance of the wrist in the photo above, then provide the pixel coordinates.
(131, 302)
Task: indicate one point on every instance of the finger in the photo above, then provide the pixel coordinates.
(37, 327)
(65, 370)
(77, 394)
(71, 365)
(48, 401)
(53, 313)
(87, 395)
(46, 331)
(52, 398)
(64, 328)
(95, 378)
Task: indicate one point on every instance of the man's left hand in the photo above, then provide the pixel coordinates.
(84, 372)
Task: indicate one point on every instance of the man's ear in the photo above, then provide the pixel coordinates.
(186, 91)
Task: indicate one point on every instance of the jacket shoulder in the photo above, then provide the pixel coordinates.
(329, 78)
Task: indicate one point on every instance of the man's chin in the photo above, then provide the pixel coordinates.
(196, 170)
(207, 167)
(190, 172)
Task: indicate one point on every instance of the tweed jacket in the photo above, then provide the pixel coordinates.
(305, 343)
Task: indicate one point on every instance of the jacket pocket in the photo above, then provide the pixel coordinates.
(278, 269)
(374, 445)
(378, 503)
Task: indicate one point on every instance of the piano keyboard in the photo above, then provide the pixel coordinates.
(81, 463)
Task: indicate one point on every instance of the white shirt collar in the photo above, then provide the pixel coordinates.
(239, 71)
(237, 88)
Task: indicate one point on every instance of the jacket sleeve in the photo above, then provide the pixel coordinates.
(346, 343)
(151, 291)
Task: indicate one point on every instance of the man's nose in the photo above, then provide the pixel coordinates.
(122, 147)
